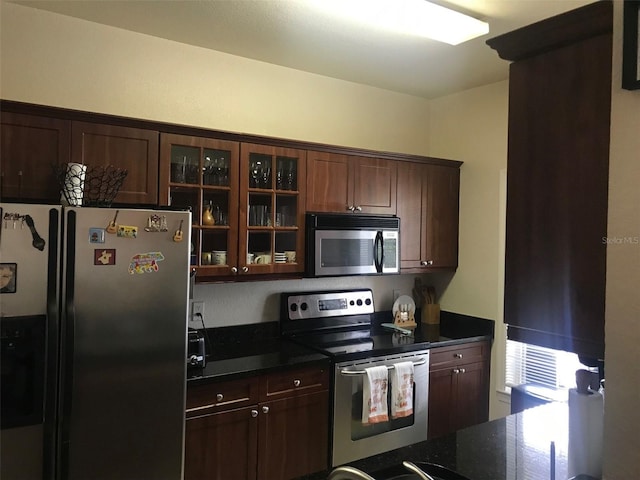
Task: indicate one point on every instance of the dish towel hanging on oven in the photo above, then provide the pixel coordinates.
(402, 390)
(374, 395)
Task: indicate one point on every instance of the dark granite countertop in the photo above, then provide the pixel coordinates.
(516, 447)
(244, 350)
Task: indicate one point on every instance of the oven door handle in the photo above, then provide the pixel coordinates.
(422, 361)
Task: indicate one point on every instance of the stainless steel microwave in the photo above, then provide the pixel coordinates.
(340, 244)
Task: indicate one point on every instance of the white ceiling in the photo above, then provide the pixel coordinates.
(293, 34)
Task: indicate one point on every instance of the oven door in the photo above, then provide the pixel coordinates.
(352, 440)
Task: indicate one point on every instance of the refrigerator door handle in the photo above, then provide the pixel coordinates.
(67, 337)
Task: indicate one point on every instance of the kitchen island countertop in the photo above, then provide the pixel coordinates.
(516, 447)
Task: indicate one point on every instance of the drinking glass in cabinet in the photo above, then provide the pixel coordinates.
(184, 170)
(179, 169)
(215, 169)
(260, 171)
(259, 216)
(286, 174)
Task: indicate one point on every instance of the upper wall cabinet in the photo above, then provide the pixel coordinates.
(343, 183)
(246, 199)
(202, 174)
(31, 146)
(133, 149)
(428, 199)
(557, 179)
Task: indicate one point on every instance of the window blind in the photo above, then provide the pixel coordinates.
(526, 363)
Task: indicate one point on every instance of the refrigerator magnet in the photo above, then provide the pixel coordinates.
(8, 274)
(156, 223)
(96, 235)
(104, 256)
(145, 262)
(127, 231)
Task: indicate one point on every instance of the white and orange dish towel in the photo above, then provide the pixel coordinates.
(375, 387)
(402, 390)
(374, 395)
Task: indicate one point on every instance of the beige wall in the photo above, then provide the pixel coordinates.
(472, 126)
(56, 60)
(622, 330)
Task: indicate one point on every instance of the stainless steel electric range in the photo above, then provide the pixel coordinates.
(342, 324)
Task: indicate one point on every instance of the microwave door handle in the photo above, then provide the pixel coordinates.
(378, 247)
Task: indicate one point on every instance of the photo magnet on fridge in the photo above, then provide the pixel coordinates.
(8, 272)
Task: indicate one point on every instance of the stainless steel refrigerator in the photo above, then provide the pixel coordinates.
(108, 291)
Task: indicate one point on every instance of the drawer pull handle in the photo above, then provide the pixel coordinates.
(296, 383)
(219, 397)
(265, 409)
(457, 355)
(254, 413)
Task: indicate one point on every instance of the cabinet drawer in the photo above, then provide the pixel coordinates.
(295, 382)
(213, 397)
(458, 354)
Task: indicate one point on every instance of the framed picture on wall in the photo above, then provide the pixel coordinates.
(631, 45)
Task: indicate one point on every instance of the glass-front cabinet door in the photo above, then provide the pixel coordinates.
(202, 174)
(271, 233)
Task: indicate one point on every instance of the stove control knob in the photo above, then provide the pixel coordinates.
(359, 302)
(352, 303)
(293, 307)
(367, 301)
(304, 306)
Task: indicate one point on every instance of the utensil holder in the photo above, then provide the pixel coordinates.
(430, 314)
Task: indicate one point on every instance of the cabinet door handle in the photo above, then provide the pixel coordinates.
(234, 269)
(358, 208)
(457, 355)
(254, 413)
(219, 397)
(296, 383)
(265, 409)
(351, 208)
(462, 370)
(456, 370)
(245, 269)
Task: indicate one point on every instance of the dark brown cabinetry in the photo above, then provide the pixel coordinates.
(458, 387)
(428, 199)
(31, 145)
(343, 183)
(267, 428)
(203, 174)
(271, 233)
(557, 179)
(247, 202)
(133, 149)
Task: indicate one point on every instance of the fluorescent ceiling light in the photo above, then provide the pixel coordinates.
(413, 17)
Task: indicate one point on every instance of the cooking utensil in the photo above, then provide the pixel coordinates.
(38, 242)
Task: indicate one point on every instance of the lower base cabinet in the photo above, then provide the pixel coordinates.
(458, 387)
(273, 427)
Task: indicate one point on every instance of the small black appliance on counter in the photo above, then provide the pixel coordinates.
(196, 353)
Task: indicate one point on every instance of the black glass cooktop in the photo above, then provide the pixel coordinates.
(363, 343)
